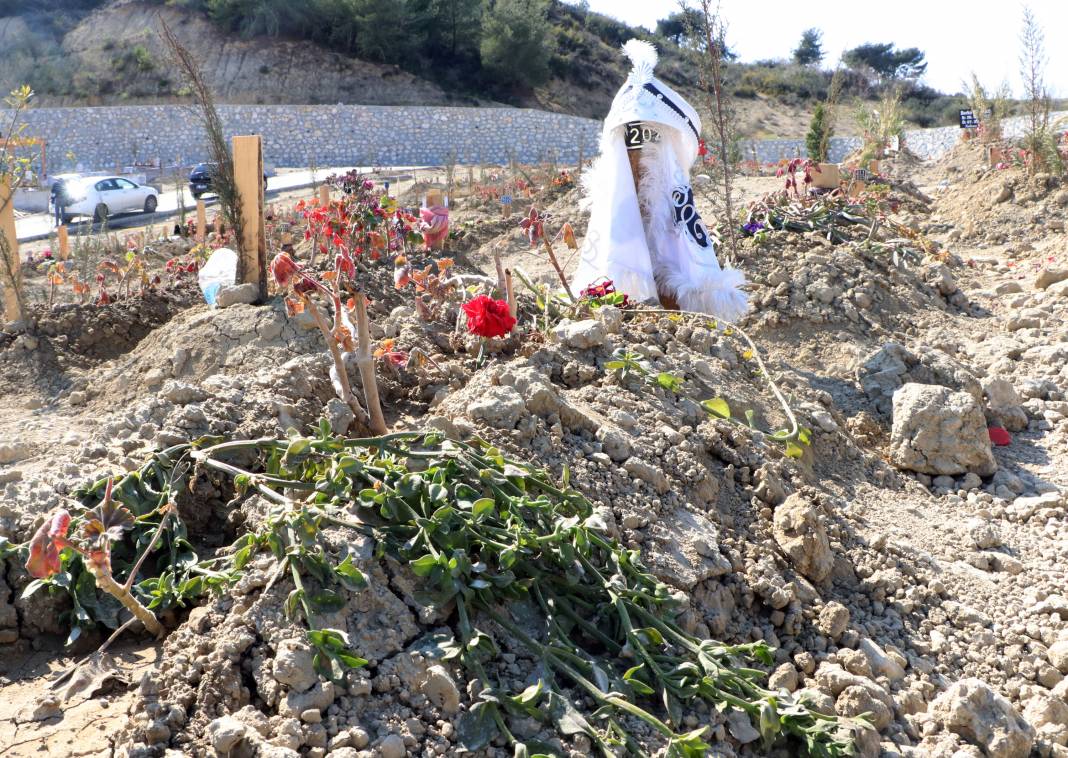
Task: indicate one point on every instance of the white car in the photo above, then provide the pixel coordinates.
(103, 196)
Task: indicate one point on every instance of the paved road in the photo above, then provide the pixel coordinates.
(39, 226)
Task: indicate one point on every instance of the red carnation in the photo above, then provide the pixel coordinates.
(487, 317)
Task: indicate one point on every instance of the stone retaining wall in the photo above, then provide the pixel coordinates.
(929, 144)
(297, 135)
(345, 135)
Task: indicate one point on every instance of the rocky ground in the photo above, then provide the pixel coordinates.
(903, 566)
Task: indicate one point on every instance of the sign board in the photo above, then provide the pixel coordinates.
(636, 134)
(506, 199)
(968, 120)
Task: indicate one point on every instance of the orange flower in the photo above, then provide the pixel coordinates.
(445, 264)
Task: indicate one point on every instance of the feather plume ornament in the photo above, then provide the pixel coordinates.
(643, 57)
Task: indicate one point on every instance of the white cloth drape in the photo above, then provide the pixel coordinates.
(638, 242)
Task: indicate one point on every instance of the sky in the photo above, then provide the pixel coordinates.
(958, 36)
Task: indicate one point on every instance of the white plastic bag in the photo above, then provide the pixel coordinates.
(220, 271)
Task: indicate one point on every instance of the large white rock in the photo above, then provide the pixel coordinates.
(293, 666)
(971, 709)
(938, 431)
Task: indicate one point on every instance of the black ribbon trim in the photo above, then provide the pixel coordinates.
(650, 87)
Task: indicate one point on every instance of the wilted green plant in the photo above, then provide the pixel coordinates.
(494, 540)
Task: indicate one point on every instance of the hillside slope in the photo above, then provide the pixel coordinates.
(113, 55)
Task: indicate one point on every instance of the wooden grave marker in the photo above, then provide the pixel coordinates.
(248, 176)
(64, 242)
(12, 303)
(202, 222)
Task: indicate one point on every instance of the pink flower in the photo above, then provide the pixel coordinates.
(435, 226)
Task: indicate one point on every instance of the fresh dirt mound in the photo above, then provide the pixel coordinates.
(879, 587)
(69, 338)
(985, 205)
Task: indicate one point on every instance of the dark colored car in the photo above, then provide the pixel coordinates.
(200, 179)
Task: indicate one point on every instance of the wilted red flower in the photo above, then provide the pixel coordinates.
(49, 539)
(284, 269)
(604, 289)
(487, 317)
(533, 225)
(569, 236)
(344, 264)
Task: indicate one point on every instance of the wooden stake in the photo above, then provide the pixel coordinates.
(10, 285)
(634, 153)
(501, 274)
(248, 175)
(513, 307)
(366, 363)
(202, 222)
(64, 242)
(324, 194)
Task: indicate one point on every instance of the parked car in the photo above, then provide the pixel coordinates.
(200, 179)
(104, 196)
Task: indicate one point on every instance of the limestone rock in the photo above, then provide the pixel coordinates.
(1050, 275)
(855, 700)
(225, 732)
(181, 393)
(893, 365)
(833, 619)
(938, 431)
(881, 663)
(972, 710)
(799, 531)
(1058, 654)
(293, 666)
(1003, 404)
(339, 414)
(1049, 717)
(741, 728)
(499, 407)
(246, 294)
(582, 335)
(441, 690)
(13, 452)
(393, 747)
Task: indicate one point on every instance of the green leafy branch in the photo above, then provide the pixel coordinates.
(496, 540)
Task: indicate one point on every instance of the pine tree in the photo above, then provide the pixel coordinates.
(818, 139)
(810, 50)
(515, 42)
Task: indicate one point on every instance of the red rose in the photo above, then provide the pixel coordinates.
(487, 317)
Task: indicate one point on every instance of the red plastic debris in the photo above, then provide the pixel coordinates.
(999, 436)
